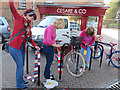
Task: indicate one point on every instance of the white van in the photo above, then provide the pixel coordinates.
(38, 30)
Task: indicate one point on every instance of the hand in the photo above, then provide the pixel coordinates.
(86, 44)
(89, 46)
(56, 45)
(36, 47)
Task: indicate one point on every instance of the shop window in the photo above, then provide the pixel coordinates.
(75, 23)
(22, 4)
(66, 23)
(93, 21)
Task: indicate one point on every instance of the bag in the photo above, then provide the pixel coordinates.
(5, 47)
(50, 84)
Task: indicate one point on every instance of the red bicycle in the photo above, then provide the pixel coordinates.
(112, 56)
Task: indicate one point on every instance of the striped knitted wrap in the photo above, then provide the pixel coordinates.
(36, 64)
(59, 58)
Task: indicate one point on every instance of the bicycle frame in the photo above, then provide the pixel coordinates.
(69, 48)
(108, 55)
(63, 54)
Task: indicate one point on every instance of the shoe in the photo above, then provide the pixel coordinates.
(108, 61)
(49, 84)
(52, 77)
(81, 68)
(26, 83)
(25, 87)
(88, 66)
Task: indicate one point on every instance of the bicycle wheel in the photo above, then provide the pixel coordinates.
(75, 64)
(115, 59)
(97, 52)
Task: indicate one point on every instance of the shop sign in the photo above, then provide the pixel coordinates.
(71, 11)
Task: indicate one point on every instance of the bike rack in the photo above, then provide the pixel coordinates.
(96, 43)
(90, 58)
(27, 69)
(110, 50)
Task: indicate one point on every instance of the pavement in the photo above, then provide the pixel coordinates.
(94, 79)
(111, 32)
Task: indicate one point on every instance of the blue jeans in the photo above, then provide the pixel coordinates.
(18, 56)
(49, 54)
(88, 53)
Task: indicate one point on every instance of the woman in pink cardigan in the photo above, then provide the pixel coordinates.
(88, 39)
(49, 43)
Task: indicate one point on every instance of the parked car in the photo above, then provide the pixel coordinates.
(38, 30)
(4, 29)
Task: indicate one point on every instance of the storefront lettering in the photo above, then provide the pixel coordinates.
(75, 11)
(61, 10)
(82, 11)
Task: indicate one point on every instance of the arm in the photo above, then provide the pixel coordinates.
(33, 43)
(82, 34)
(13, 9)
(93, 39)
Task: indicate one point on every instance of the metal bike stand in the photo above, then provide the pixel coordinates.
(27, 69)
(96, 43)
(27, 59)
(90, 58)
(38, 76)
(101, 55)
(110, 50)
(110, 54)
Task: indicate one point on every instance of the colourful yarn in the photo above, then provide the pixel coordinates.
(59, 55)
(36, 64)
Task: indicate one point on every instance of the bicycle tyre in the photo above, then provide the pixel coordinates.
(114, 62)
(98, 52)
(71, 64)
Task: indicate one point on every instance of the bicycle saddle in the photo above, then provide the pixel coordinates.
(113, 43)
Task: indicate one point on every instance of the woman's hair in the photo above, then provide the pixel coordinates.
(59, 22)
(90, 30)
(31, 13)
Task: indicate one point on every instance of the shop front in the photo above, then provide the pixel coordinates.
(89, 15)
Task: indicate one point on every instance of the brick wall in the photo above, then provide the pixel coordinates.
(5, 10)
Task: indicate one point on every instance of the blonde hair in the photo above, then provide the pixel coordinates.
(59, 22)
(90, 30)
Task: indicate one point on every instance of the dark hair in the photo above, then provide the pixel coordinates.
(31, 13)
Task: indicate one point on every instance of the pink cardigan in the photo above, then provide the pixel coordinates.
(83, 34)
(49, 36)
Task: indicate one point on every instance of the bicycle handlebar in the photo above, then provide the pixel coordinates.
(68, 35)
(99, 38)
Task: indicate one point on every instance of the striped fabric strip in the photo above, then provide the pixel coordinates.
(36, 64)
(59, 67)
